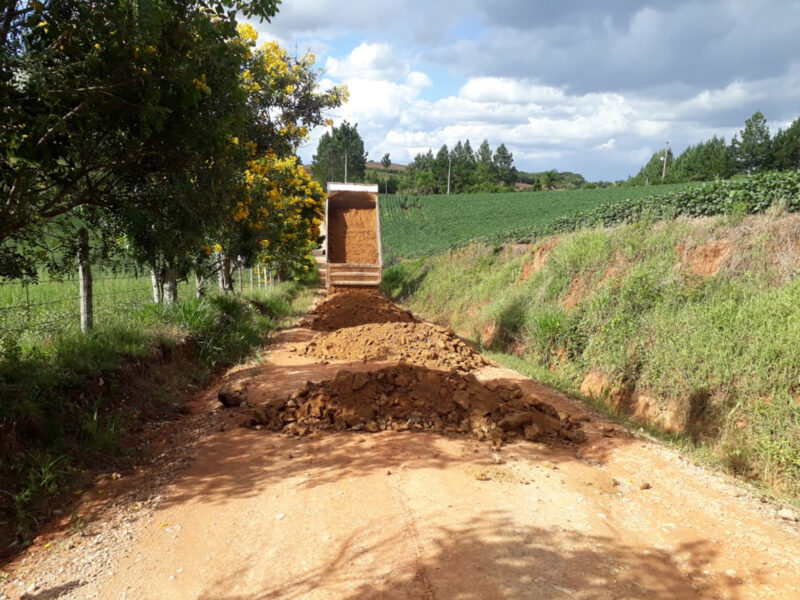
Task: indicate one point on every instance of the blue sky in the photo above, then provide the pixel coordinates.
(575, 85)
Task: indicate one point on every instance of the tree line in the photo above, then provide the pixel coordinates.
(341, 156)
(161, 129)
(752, 150)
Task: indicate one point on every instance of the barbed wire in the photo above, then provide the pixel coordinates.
(69, 280)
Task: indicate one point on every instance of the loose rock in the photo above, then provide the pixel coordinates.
(233, 394)
(408, 397)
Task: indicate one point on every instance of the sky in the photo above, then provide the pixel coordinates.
(575, 85)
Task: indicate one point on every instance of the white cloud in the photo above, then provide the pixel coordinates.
(579, 85)
(368, 61)
(609, 145)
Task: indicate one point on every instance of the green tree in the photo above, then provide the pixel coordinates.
(504, 165)
(440, 167)
(786, 148)
(752, 149)
(386, 162)
(485, 171)
(98, 97)
(705, 161)
(340, 155)
(650, 174)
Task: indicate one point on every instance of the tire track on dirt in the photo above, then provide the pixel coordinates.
(412, 534)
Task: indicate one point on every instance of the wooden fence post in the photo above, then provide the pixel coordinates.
(85, 281)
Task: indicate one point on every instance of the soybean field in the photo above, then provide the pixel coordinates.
(423, 225)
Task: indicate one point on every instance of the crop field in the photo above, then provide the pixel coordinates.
(424, 225)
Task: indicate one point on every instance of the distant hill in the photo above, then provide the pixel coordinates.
(376, 166)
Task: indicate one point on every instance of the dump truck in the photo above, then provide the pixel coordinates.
(352, 246)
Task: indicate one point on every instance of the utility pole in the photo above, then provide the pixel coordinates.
(449, 163)
(664, 166)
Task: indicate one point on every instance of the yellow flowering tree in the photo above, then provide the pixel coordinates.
(278, 215)
(284, 99)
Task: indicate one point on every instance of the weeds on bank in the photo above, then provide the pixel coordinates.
(61, 398)
(621, 301)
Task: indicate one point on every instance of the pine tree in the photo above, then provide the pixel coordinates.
(504, 164)
(752, 149)
(340, 155)
(786, 148)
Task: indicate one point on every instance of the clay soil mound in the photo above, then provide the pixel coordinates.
(352, 308)
(407, 397)
(421, 344)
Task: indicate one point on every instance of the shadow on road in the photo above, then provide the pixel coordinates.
(491, 556)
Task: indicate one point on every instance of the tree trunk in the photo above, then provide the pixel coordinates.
(85, 277)
(170, 286)
(199, 285)
(156, 284)
(227, 281)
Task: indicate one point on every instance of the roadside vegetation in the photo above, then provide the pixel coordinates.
(691, 326)
(73, 402)
(154, 143)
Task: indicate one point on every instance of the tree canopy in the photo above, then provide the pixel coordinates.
(140, 119)
(340, 155)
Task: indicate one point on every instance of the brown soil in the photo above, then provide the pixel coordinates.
(407, 397)
(346, 515)
(355, 308)
(421, 344)
(539, 258)
(352, 236)
(705, 259)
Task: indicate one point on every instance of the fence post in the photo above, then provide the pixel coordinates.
(85, 281)
(27, 304)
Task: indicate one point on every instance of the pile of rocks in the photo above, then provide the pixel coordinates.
(407, 397)
(421, 344)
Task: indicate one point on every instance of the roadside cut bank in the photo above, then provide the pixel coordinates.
(688, 326)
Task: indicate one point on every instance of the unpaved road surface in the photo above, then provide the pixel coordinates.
(256, 514)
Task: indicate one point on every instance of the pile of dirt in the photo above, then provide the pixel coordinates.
(352, 235)
(353, 308)
(406, 397)
(421, 344)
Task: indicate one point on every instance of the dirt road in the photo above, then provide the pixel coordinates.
(401, 514)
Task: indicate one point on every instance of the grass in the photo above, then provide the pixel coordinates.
(33, 311)
(424, 225)
(69, 399)
(716, 355)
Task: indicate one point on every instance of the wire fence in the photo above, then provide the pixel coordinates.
(36, 310)
(49, 306)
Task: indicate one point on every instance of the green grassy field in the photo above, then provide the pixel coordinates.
(30, 311)
(431, 224)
